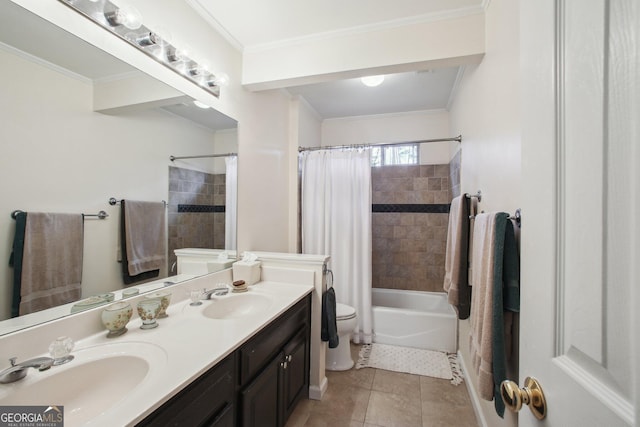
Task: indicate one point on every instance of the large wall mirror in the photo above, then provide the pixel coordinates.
(80, 127)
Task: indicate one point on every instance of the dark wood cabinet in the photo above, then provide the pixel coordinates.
(295, 372)
(260, 400)
(274, 369)
(208, 401)
(259, 384)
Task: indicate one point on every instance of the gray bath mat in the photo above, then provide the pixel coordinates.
(410, 360)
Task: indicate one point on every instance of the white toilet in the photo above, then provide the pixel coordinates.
(339, 358)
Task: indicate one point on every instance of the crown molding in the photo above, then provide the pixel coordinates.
(196, 5)
(379, 26)
(387, 115)
(121, 76)
(455, 87)
(43, 63)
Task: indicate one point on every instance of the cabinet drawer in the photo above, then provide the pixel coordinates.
(258, 351)
(209, 399)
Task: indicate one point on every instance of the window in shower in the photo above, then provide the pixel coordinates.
(406, 154)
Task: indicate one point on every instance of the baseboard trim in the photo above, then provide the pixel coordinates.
(316, 392)
(475, 399)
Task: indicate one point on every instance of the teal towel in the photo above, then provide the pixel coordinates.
(506, 297)
(329, 327)
(16, 261)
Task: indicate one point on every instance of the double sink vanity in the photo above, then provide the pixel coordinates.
(236, 359)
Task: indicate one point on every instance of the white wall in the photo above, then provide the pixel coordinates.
(397, 127)
(263, 172)
(387, 49)
(60, 156)
(263, 117)
(486, 112)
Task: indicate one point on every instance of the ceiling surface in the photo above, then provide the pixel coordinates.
(251, 23)
(32, 37)
(278, 22)
(273, 22)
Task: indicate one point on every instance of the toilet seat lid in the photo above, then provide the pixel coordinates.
(344, 312)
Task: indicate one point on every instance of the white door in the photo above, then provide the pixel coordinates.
(581, 217)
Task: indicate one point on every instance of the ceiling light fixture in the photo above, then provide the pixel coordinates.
(200, 104)
(122, 20)
(126, 15)
(372, 81)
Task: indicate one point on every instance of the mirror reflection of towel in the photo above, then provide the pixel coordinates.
(143, 239)
(47, 260)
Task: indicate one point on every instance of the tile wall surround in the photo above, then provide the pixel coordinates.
(200, 221)
(409, 242)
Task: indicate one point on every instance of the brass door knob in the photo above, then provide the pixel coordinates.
(531, 394)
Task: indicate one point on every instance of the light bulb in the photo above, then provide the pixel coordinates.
(221, 79)
(372, 81)
(132, 19)
(200, 104)
(127, 15)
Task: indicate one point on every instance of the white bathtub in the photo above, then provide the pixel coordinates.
(414, 319)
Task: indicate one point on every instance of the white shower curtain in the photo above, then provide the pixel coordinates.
(336, 220)
(231, 202)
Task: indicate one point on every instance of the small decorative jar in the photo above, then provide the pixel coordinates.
(148, 310)
(165, 298)
(115, 318)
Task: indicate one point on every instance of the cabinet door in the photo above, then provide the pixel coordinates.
(259, 401)
(295, 371)
(207, 401)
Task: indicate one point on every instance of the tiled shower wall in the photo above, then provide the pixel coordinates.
(196, 210)
(409, 222)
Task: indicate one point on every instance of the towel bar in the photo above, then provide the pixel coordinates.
(478, 196)
(517, 217)
(113, 201)
(100, 215)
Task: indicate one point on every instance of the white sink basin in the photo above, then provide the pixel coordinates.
(237, 306)
(97, 379)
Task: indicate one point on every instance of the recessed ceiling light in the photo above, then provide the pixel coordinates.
(200, 104)
(372, 81)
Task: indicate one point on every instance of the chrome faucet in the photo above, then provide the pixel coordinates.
(17, 371)
(223, 290)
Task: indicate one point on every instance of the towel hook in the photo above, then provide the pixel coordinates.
(327, 272)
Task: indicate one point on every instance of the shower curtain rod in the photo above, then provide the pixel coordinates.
(339, 147)
(172, 158)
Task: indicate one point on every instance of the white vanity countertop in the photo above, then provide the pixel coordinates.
(184, 346)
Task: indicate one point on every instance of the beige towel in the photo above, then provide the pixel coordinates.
(456, 283)
(52, 261)
(481, 324)
(145, 233)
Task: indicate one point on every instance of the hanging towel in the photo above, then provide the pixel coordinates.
(496, 289)
(506, 302)
(143, 239)
(47, 261)
(15, 261)
(456, 283)
(481, 319)
(329, 327)
(473, 210)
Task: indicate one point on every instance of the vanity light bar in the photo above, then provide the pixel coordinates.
(108, 16)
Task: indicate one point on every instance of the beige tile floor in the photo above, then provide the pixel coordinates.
(374, 397)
